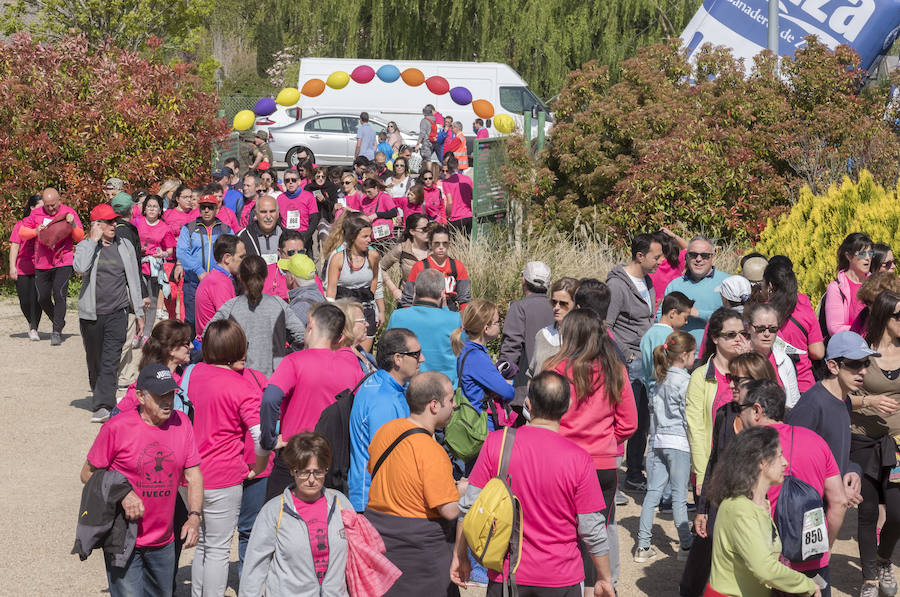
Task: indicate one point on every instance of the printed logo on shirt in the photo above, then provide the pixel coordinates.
(158, 472)
(450, 284)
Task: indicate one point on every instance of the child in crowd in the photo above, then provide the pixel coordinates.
(385, 148)
(669, 459)
(676, 307)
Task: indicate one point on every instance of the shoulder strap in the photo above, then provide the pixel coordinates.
(390, 448)
(362, 381)
(427, 263)
(453, 271)
(791, 458)
(797, 323)
(280, 512)
(459, 367)
(185, 399)
(509, 437)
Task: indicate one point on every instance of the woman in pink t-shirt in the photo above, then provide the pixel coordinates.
(302, 526)
(840, 303)
(434, 204)
(21, 269)
(157, 247)
(602, 412)
(674, 249)
(176, 216)
(226, 408)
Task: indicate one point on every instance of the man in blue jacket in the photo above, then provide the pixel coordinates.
(431, 323)
(195, 245)
(381, 398)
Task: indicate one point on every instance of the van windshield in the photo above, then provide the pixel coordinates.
(520, 99)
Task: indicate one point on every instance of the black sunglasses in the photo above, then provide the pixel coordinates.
(737, 408)
(413, 353)
(733, 335)
(292, 252)
(896, 316)
(554, 302)
(694, 255)
(855, 365)
(759, 329)
(736, 379)
(206, 206)
(291, 180)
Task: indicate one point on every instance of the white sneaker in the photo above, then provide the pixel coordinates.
(645, 554)
(33, 335)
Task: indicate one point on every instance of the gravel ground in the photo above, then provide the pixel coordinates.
(48, 409)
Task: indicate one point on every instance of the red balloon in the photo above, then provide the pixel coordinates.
(437, 85)
(362, 74)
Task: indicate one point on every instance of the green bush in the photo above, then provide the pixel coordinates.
(811, 232)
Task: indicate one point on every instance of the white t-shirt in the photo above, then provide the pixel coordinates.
(642, 289)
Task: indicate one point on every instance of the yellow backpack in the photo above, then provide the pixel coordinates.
(493, 525)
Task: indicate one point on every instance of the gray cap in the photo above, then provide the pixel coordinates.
(849, 345)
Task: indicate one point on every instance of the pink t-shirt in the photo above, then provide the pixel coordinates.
(810, 460)
(25, 257)
(408, 208)
(434, 205)
(158, 236)
(315, 516)
(381, 227)
(459, 188)
(258, 380)
(60, 255)
(295, 212)
(310, 379)
(551, 496)
(226, 405)
(664, 274)
(176, 219)
(482, 134)
(229, 218)
(153, 460)
(214, 290)
(724, 395)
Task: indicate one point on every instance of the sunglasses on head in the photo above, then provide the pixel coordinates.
(733, 335)
(695, 254)
(855, 365)
(760, 329)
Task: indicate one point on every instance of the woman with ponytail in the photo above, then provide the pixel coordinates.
(669, 460)
(602, 411)
(267, 320)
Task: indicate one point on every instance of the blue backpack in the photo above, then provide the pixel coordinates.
(800, 518)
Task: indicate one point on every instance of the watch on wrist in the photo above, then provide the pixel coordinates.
(192, 512)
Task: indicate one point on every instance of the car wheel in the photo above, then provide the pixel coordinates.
(291, 157)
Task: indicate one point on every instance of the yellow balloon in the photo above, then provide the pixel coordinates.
(504, 123)
(288, 96)
(337, 79)
(243, 120)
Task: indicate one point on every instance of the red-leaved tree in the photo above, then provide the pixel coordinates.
(73, 115)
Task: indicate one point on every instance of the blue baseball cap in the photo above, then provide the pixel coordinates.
(848, 345)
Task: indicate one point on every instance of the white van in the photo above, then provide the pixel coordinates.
(497, 83)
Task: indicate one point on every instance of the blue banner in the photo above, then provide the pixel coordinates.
(868, 26)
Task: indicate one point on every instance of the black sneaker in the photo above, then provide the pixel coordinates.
(637, 485)
(55, 339)
(665, 507)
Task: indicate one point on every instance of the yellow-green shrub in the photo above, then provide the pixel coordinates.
(811, 232)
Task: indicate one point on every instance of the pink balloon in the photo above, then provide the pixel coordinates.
(362, 74)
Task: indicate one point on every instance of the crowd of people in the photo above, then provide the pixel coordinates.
(249, 379)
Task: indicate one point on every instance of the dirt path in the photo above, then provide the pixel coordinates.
(47, 435)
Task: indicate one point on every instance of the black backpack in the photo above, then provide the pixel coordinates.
(800, 518)
(334, 424)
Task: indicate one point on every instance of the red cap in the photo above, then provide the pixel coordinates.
(208, 199)
(104, 211)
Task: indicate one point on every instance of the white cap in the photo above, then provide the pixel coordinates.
(537, 273)
(735, 289)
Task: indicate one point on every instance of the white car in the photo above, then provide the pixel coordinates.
(329, 139)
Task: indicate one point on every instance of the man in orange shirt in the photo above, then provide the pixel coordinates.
(413, 500)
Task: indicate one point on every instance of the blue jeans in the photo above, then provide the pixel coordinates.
(148, 573)
(666, 465)
(252, 500)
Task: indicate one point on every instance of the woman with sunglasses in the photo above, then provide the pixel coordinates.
(883, 259)
(840, 304)
(414, 247)
(399, 182)
(547, 340)
(379, 208)
(708, 389)
(743, 369)
(394, 138)
(326, 194)
(762, 323)
(268, 183)
(875, 427)
(299, 544)
(433, 204)
(157, 247)
(875, 284)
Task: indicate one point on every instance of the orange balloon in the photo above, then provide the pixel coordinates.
(412, 77)
(313, 87)
(483, 108)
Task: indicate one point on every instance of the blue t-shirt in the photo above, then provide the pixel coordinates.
(379, 400)
(432, 327)
(367, 135)
(653, 337)
(705, 295)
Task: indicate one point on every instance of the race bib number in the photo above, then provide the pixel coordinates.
(815, 534)
(787, 348)
(292, 221)
(270, 258)
(381, 231)
(342, 201)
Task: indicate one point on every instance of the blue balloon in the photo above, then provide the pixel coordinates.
(265, 107)
(461, 96)
(388, 73)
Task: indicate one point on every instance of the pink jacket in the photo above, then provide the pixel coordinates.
(841, 305)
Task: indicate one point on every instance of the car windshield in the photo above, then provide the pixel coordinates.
(520, 99)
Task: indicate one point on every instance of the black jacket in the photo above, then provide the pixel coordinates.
(101, 519)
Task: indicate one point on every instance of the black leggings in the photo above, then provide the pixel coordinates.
(609, 482)
(875, 492)
(28, 299)
(52, 288)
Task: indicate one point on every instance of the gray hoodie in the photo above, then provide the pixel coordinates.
(629, 315)
(279, 560)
